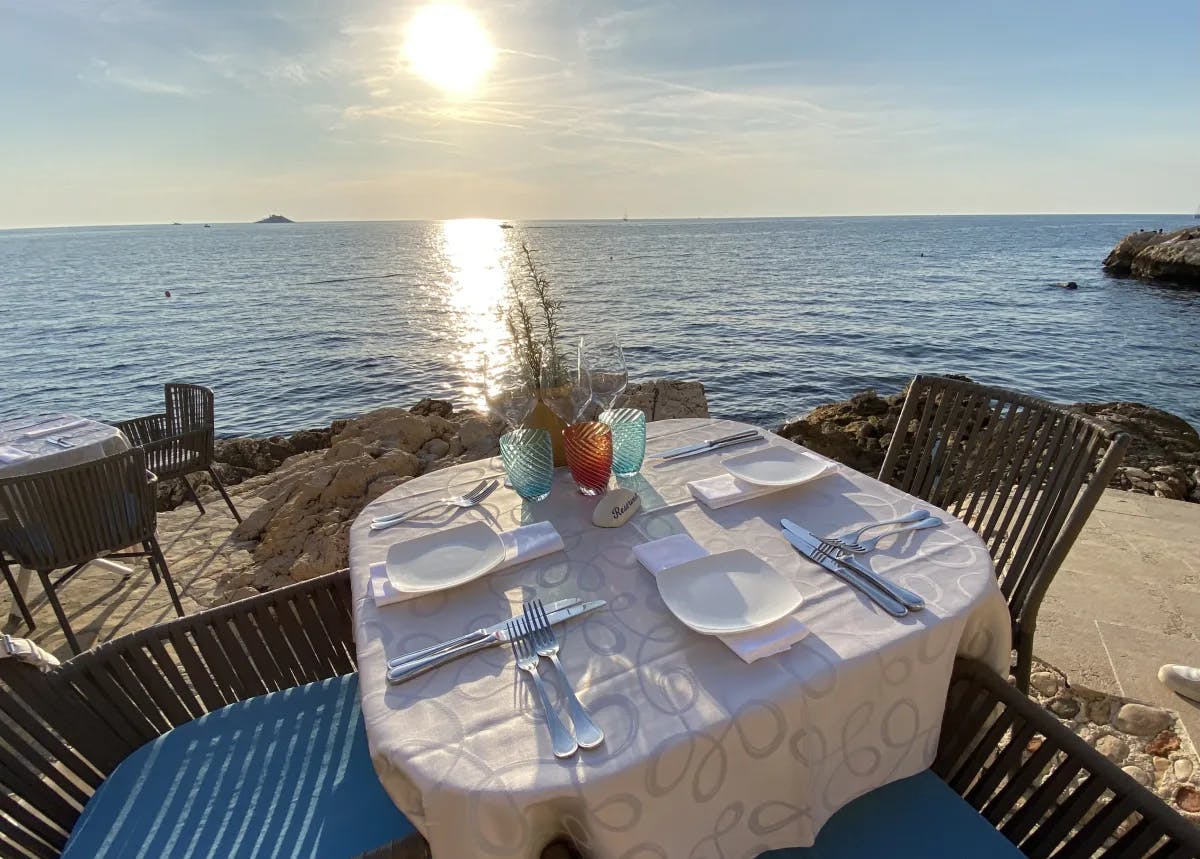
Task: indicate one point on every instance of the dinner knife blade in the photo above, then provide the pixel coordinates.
(885, 601)
(408, 670)
(910, 600)
(700, 447)
(476, 635)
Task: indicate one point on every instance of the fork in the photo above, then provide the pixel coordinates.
(469, 499)
(861, 547)
(849, 542)
(544, 642)
(910, 600)
(562, 740)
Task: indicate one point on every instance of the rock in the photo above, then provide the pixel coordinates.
(1162, 745)
(1137, 473)
(1183, 768)
(1113, 748)
(436, 448)
(1176, 258)
(1063, 707)
(1120, 259)
(678, 400)
(1045, 682)
(477, 435)
(1161, 765)
(1188, 798)
(346, 450)
(1142, 720)
(427, 407)
(1162, 447)
(1139, 775)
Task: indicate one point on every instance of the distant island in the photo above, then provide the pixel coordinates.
(275, 219)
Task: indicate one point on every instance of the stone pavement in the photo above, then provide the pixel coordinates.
(1127, 600)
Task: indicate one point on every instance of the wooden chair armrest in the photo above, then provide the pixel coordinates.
(1039, 784)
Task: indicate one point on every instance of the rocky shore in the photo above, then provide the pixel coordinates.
(1173, 257)
(1163, 458)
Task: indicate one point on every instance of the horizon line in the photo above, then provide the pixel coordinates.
(515, 221)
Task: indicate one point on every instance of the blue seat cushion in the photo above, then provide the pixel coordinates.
(281, 775)
(913, 818)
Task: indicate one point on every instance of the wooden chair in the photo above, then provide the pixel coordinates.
(65, 518)
(1021, 471)
(180, 441)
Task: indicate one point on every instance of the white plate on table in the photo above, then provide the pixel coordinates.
(777, 465)
(728, 592)
(445, 558)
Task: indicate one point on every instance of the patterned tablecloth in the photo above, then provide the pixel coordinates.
(705, 756)
(26, 446)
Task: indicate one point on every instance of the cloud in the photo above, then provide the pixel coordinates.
(104, 73)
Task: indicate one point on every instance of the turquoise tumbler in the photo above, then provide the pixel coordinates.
(629, 439)
(528, 458)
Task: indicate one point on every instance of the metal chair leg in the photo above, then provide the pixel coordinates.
(1023, 642)
(192, 492)
(18, 599)
(44, 575)
(221, 488)
(153, 565)
(157, 555)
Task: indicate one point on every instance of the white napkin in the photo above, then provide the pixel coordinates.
(520, 545)
(8, 453)
(24, 650)
(725, 489)
(38, 433)
(777, 637)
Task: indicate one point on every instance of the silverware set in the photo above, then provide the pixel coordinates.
(467, 499)
(837, 556)
(706, 446)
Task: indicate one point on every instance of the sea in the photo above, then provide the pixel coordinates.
(294, 325)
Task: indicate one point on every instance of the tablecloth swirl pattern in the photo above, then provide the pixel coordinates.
(705, 756)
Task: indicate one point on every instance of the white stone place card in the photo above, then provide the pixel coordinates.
(616, 508)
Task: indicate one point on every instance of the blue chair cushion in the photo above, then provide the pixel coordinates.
(281, 775)
(913, 818)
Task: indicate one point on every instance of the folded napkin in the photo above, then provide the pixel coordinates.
(24, 650)
(753, 644)
(8, 453)
(725, 489)
(38, 433)
(520, 545)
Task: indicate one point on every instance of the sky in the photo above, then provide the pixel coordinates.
(140, 111)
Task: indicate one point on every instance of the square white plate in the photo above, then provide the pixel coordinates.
(777, 465)
(727, 592)
(444, 559)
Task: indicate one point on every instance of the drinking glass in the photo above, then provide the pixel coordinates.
(528, 458)
(629, 439)
(604, 363)
(589, 449)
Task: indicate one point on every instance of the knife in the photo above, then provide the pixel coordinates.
(476, 635)
(704, 446)
(911, 601)
(893, 607)
(406, 671)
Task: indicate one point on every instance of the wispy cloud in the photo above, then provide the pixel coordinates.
(104, 73)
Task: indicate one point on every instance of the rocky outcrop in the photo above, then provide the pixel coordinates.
(1171, 256)
(310, 497)
(1163, 458)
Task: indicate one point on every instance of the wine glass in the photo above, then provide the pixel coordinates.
(509, 391)
(566, 389)
(604, 362)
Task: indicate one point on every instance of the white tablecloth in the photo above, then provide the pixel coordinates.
(31, 435)
(705, 755)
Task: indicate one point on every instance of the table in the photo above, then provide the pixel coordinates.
(705, 755)
(31, 436)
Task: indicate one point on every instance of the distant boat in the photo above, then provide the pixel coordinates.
(207, 226)
(176, 224)
(1197, 216)
(506, 226)
(625, 217)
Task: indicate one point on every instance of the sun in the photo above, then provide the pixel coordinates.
(446, 46)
